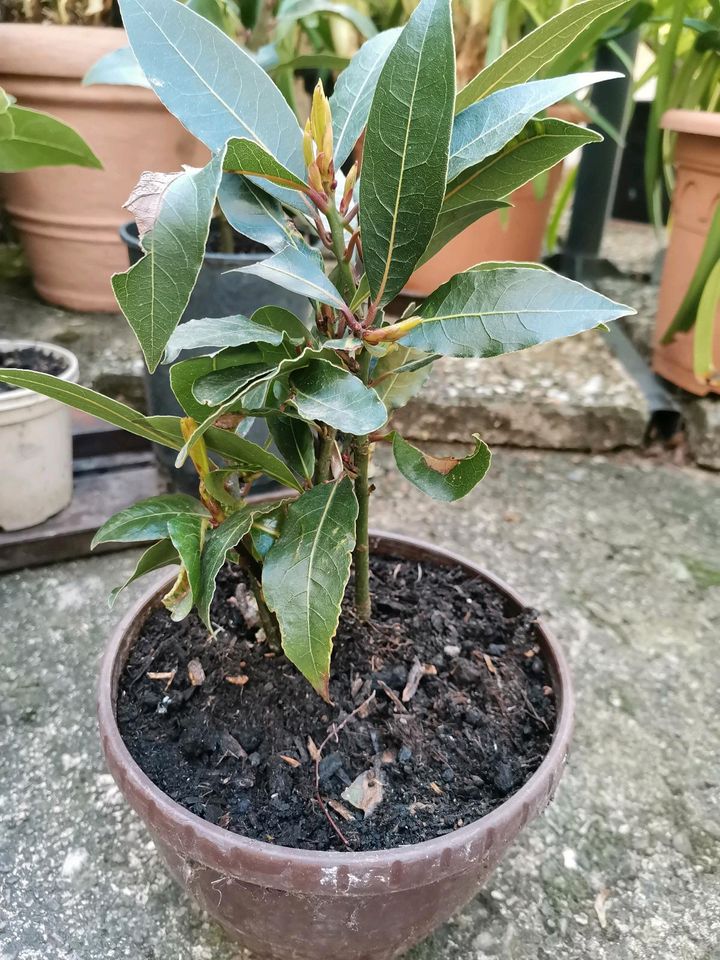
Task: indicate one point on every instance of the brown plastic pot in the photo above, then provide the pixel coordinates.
(510, 234)
(696, 194)
(68, 217)
(289, 904)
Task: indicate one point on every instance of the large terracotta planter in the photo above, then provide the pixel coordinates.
(696, 194)
(68, 217)
(291, 904)
(511, 234)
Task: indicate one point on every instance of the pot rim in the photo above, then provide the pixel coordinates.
(699, 122)
(75, 48)
(129, 238)
(288, 866)
(22, 396)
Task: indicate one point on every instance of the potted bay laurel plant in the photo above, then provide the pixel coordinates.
(36, 480)
(318, 812)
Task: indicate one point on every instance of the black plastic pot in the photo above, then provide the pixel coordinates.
(217, 293)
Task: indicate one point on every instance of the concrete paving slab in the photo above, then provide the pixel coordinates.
(623, 559)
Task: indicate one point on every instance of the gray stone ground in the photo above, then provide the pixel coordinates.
(623, 557)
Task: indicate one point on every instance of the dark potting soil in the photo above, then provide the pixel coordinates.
(30, 358)
(240, 748)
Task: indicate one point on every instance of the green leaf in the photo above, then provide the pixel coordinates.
(400, 375)
(217, 386)
(442, 478)
(361, 294)
(220, 332)
(266, 529)
(215, 11)
(322, 391)
(299, 269)
(351, 99)
(541, 145)
(453, 220)
(485, 127)
(255, 214)
(155, 291)
(527, 58)
(217, 543)
(307, 8)
(147, 519)
(705, 362)
(187, 532)
(488, 312)
(305, 574)
(249, 159)
(117, 67)
(294, 439)
(160, 554)
(89, 401)
(405, 155)
(214, 87)
(32, 139)
(251, 457)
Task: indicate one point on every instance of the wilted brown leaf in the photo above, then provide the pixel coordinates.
(240, 680)
(365, 792)
(341, 809)
(145, 200)
(291, 761)
(196, 674)
(417, 672)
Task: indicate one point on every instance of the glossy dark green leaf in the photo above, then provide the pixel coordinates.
(247, 158)
(159, 555)
(154, 292)
(32, 139)
(187, 532)
(305, 574)
(295, 441)
(453, 220)
(216, 89)
(185, 374)
(165, 432)
(541, 145)
(217, 386)
(267, 325)
(328, 393)
(526, 59)
(266, 529)
(442, 478)
(217, 543)
(147, 519)
(487, 126)
(405, 154)
(488, 312)
(251, 457)
(300, 269)
(253, 213)
(354, 89)
(400, 375)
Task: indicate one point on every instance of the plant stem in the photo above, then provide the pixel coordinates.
(337, 233)
(267, 618)
(322, 466)
(227, 238)
(363, 604)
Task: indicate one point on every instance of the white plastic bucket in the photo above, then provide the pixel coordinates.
(36, 468)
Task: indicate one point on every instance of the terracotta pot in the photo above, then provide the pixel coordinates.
(515, 234)
(288, 904)
(696, 194)
(68, 217)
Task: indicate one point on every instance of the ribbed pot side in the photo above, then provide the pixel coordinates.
(68, 217)
(695, 197)
(289, 904)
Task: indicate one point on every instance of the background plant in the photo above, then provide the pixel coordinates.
(432, 163)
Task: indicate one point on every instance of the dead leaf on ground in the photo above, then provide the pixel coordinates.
(600, 908)
(240, 680)
(417, 672)
(196, 674)
(292, 761)
(231, 747)
(341, 809)
(393, 696)
(489, 664)
(436, 789)
(313, 749)
(365, 792)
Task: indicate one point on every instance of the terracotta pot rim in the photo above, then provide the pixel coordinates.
(227, 845)
(699, 122)
(73, 51)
